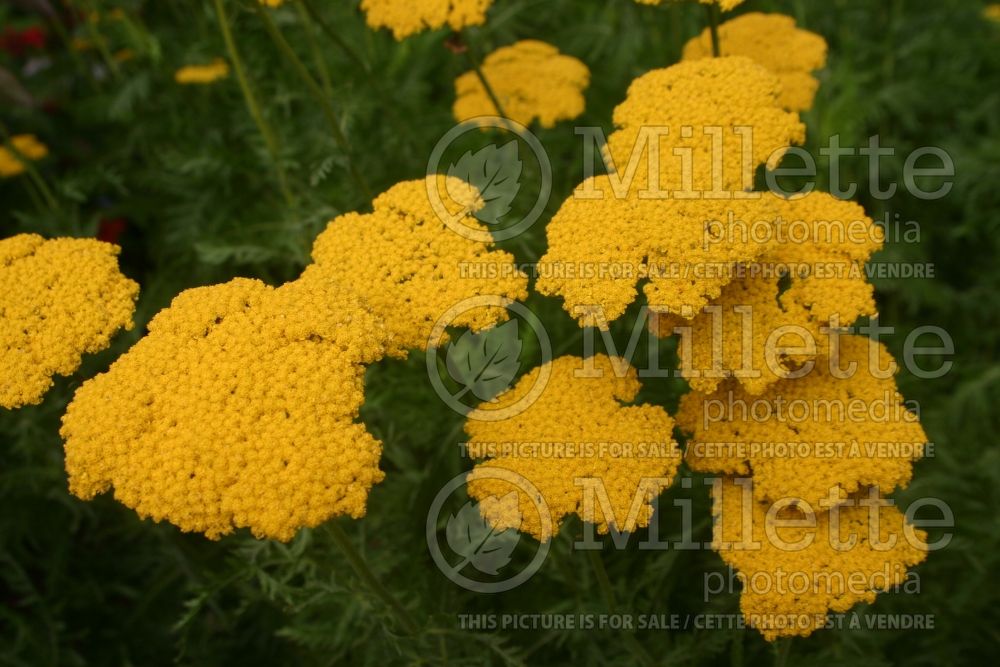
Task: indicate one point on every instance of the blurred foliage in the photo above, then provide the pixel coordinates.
(185, 174)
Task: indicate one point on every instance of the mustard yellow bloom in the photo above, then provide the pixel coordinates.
(582, 431)
(714, 121)
(59, 299)
(822, 244)
(406, 262)
(531, 79)
(830, 431)
(600, 247)
(773, 41)
(272, 3)
(408, 17)
(792, 576)
(238, 409)
(28, 146)
(725, 5)
(202, 74)
(992, 12)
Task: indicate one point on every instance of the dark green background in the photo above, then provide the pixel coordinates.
(89, 583)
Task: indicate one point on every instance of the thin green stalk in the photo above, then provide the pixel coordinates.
(324, 102)
(99, 41)
(33, 195)
(251, 101)
(473, 54)
(334, 37)
(385, 101)
(604, 583)
(33, 175)
(364, 573)
(713, 27)
(324, 72)
(782, 649)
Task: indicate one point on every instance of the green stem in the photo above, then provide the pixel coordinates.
(324, 102)
(604, 583)
(251, 101)
(364, 573)
(334, 37)
(99, 42)
(713, 27)
(782, 649)
(317, 53)
(472, 52)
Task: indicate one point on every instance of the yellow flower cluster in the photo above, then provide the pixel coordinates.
(600, 248)
(408, 17)
(27, 146)
(822, 243)
(531, 80)
(714, 122)
(202, 74)
(725, 5)
(582, 431)
(406, 262)
(793, 575)
(237, 410)
(272, 3)
(840, 426)
(992, 12)
(59, 299)
(773, 41)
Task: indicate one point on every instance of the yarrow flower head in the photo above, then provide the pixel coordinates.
(59, 299)
(772, 40)
(26, 146)
(202, 74)
(601, 245)
(713, 120)
(992, 12)
(582, 430)
(408, 17)
(839, 426)
(406, 262)
(531, 79)
(793, 575)
(725, 5)
(238, 409)
(772, 317)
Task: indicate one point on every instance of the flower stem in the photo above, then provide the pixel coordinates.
(782, 649)
(334, 37)
(323, 100)
(472, 51)
(251, 101)
(604, 583)
(364, 573)
(713, 27)
(98, 40)
(317, 53)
